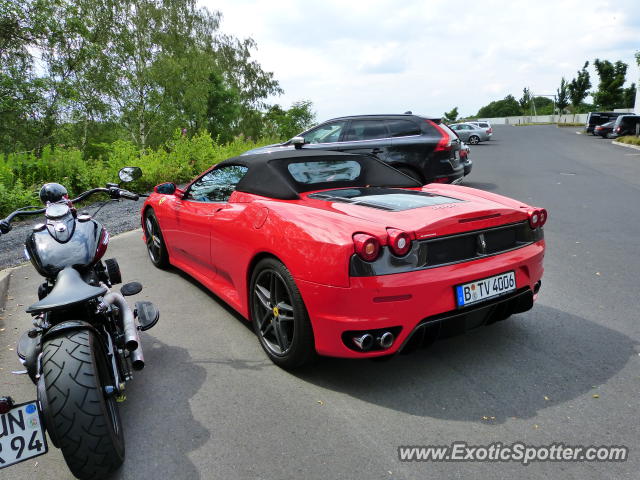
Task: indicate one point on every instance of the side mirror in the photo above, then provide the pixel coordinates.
(166, 188)
(298, 142)
(129, 174)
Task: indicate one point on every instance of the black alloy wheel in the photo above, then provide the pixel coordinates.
(279, 317)
(155, 242)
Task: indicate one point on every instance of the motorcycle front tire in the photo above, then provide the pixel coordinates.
(84, 419)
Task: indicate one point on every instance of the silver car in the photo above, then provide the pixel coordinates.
(469, 133)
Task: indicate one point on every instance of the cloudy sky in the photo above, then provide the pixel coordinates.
(378, 56)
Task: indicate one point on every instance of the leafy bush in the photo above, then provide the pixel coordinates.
(178, 160)
(631, 140)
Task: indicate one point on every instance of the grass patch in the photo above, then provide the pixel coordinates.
(178, 160)
(630, 140)
(571, 124)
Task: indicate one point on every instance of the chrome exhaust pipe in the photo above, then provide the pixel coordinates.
(364, 342)
(386, 340)
(131, 339)
(137, 359)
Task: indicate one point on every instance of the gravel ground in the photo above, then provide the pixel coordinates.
(117, 216)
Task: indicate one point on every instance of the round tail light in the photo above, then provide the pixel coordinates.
(367, 246)
(399, 241)
(537, 217)
(543, 217)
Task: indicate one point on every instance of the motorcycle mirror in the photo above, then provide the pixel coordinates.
(129, 174)
(166, 188)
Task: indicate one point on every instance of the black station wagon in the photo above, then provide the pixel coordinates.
(422, 147)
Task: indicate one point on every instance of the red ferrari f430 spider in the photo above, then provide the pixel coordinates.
(342, 255)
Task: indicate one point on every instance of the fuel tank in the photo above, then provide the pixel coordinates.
(66, 242)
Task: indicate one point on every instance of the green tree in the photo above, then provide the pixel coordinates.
(629, 96)
(610, 92)
(246, 76)
(452, 116)
(285, 124)
(223, 107)
(138, 68)
(525, 100)
(21, 93)
(543, 105)
(562, 96)
(579, 87)
(506, 107)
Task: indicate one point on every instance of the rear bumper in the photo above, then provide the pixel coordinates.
(468, 165)
(405, 301)
(455, 176)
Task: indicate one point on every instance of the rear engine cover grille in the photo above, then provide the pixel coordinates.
(437, 252)
(477, 244)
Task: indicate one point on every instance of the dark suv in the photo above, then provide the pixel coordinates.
(599, 118)
(625, 125)
(421, 147)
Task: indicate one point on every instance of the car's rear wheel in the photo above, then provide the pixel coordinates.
(474, 140)
(279, 316)
(156, 248)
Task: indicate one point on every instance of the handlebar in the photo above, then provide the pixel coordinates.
(113, 191)
(129, 195)
(88, 193)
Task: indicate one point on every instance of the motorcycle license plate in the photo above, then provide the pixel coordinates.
(480, 290)
(21, 434)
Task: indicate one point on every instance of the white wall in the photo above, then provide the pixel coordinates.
(578, 118)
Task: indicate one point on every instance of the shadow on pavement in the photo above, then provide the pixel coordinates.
(159, 441)
(503, 370)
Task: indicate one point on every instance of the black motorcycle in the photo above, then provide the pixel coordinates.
(84, 345)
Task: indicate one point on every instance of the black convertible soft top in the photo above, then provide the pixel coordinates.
(269, 174)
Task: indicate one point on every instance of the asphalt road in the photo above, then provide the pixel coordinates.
(210, 405)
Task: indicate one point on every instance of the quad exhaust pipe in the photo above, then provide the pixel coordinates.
(386, 340)
(366, 341)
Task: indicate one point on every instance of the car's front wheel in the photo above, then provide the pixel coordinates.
(474, 140)
(279, 316)
(156, 247)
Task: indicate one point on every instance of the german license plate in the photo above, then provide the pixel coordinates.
(480, 290)
(21, 434)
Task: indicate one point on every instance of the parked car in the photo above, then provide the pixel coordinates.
(422, 147)
(482, 124)
(470, 133)
(625, 125)
(342, 255)
(599, 118)
(604, 130)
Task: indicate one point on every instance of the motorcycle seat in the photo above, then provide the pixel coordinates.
(69, 290)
